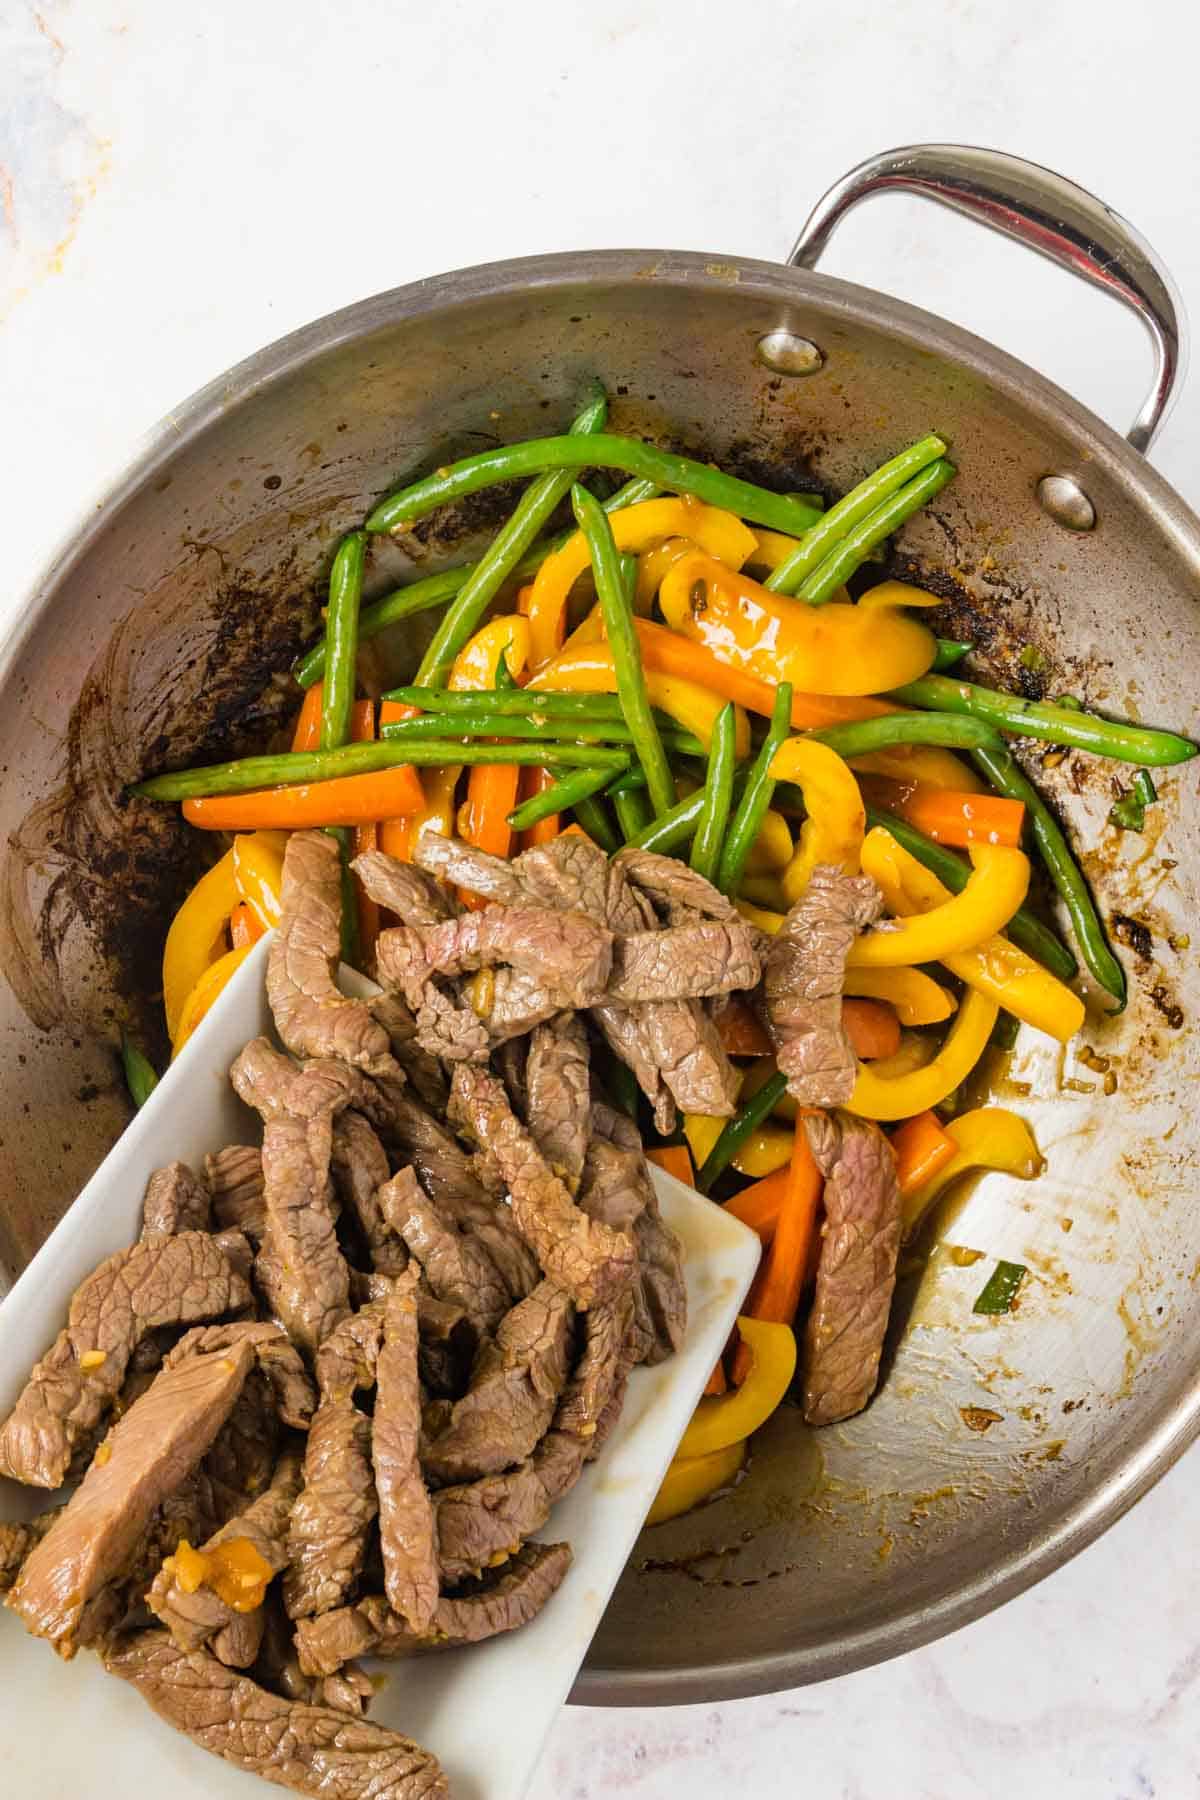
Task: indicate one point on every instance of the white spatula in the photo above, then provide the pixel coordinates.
(486, 1710)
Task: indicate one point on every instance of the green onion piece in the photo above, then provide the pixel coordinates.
(1129, 812)
(140, 1076)
(1000, 1290)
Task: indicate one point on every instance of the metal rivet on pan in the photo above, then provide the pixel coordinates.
(788, 353)
(1062, 498)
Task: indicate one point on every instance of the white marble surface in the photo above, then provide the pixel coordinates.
(179, 184)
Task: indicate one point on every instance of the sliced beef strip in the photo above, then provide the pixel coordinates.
(805, 969)
(290, 1383)
(423, 1071)
(277, 1668)
(446, 1025)
(448, 1343)
(237, 1644)
(235, 1181)
(681, 1043)
(150, 1451)
(195, 1619)
(682, 962)
(313, 1750)
(17, 1540)
(175, 1280)
(660, 1293)
(337, 1505)
(619, 1190)
(415, 897)
(456, 1265)
(300, 1267)
(373, 1628)
(241, 1461)
(276, 1087)
(360, 1168)
(176, 1200)
(586, 1259)
(312, 1017)
(406, 1525)
(856, 1272)
(513, 1393)
(462, 865)
(558, 1095)
(677, 893)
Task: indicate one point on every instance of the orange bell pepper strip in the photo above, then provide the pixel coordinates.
(676, 1160)
(947, 816)
(346, 800)
(872, 1027)
(922, 1148)
(245, 926)
(741, 1031)
(848, 650)
(205, 993)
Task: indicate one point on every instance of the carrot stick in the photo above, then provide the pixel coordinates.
(716, 1383)
(946, 815)
(491, 796)
(672, 654)
(676, 1160)
(307, 735)
(245, 926)
(536, 781)
(396, 835)
(759, 1205)
(741, 1031)
(779, 1283)
(871, 1026)
(921, 1148)
(346, 800)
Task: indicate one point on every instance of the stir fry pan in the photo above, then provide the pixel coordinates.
(160, 635)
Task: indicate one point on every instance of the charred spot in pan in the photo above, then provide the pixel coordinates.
(1135, 934)
(448, 527)
(1171, 1011)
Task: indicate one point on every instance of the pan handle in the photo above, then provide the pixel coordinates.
(1043, 211)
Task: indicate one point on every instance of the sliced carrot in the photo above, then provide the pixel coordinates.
(396, 835)
(676, 1160)
(245, 926)
(491, 796)
(872, 1027)
(347, 800)
(717, 1382)
(307, 735)
(673, 654)
(758, 1205)
(777, 1287)
(741, 1031)
(922, 1148)
(536, 781)
(947, 815)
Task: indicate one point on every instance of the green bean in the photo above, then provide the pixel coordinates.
(560, 796)
(633, 781)
(632, 809)
(627, 656)
(718, 792)
(999, 1291)
(140, 1076)
(739, 1128)
(850, 511)
(852, 550)
(674, 828)
(595, 821)
(1001, 770)
(435, 590)
(345, 592)
(1024, 928)
(503, 553)
(1052, 723)
(949, 652)
(506, 725)
(289, 767)
(520, 702)
(756, 796)
(678, 474)
(863, 736)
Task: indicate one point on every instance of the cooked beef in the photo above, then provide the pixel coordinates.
(586, 1259)
(373, 1628)
(682, 962)
(570, 874)
(337, 1505)
(240, 1462)
(278, 1088)
(682, 1044)
(604, 1361)
(312, 1017)
(423, 1071)
(806, 966)
(300, 1267)
(406, 1527)
(448, 1343)
(164, 1281)
(615, 1185)
(360, 1168)
(456, 1266)
(277, 1668)
(314, 1750)
(856, 1272)
(677, 893)
(558, 1095)
(195, 1617)
(236, 1183)
(175, 1201)
(619, 1190)
(289, 1381)
(415, 897)
(462, 865)
(446, 1026)
(149, 1452)
(17, 1540)
(660, 1293)
(514, 1389)
(237, 1644)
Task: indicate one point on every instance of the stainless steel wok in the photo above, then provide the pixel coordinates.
(995, 1448)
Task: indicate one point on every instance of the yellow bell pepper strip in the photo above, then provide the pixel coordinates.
(997, 885)
(673, 654)
(475, 669)
(989, 1137)
(770, 549)
(197, 937)
(924, 765)
(917, 997)
(917, 1050)
(833, 831)
(258, 871)
(884, 1097)
(996, 966)
(834, 649)
(590, 669)
(205, 992)
(730, 1418)
(764, 1150)
(762, 1070)
(772, 849)
(635, 528)
(691, 1479)
(897, 593)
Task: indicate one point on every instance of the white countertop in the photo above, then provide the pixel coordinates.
(180, 184)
